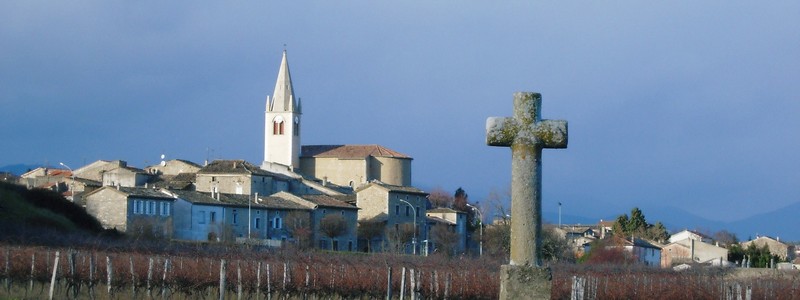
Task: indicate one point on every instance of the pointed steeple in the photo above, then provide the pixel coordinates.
(283, 96)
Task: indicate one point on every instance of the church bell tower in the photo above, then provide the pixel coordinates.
(282, 122)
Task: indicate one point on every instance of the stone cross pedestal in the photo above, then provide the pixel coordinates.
(527, 134)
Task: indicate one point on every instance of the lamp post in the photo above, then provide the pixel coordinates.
(414, 240)
(72, 185)
(559, 215)
(480, 215)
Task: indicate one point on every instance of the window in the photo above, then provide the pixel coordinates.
(213, 178)
(324, 211)
(151, 207)
(397, 209)
(165, 207)
(416, 212)
(408, 210)
(235, 217)
(202, 217)
(296, 127)
(277, 127)
(342, 213)
(258, 223)
(277, 223)
(137, 206)
(213, 216)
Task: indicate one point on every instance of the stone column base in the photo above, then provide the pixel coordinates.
(524, 282)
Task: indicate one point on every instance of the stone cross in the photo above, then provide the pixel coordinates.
(526, 133)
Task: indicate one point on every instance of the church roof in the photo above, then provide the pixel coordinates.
(283, 95)
(350, 151)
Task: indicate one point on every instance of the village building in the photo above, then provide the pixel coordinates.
(692, 251)
(689, 234)
(447, 228)
(132, 210)
(342, 165)
(353, 165)
(400, 210)
(95, 170)
(126, 176)
(332, 223)
(234, 218)
(784, 251)
(243, 178)
(173, 167)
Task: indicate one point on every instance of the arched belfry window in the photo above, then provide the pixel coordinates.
(277, 126)
(296, 128)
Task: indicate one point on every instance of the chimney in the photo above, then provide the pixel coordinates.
(324, 180)
(691, 249)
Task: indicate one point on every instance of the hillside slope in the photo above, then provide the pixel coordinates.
(31, 210)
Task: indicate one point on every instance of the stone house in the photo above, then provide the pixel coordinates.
(454, 221)
(94, 171)
(784, 251)
(243, 178)
(353, 165)
(228, 217)
(323, 206)
(645, 251)
(173, 167)
(44, 177)
(132, 210)
(689, 234)
(126, 176)
(393, 206)
(641, 250)
(691, 250)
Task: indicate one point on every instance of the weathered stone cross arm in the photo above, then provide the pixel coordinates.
(526, 126)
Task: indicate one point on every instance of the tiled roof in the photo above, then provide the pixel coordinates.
(392, 188)
(440, 210)
(349, 151)
(224, 199)
(327, 201)
(188, 177)
(439, 220)
(233, 167)
(188, 163)
(281, 203)
(143, 192)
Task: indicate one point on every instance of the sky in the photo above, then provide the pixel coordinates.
(690, 105)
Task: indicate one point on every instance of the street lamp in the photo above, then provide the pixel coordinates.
(480, 215)
(414, 240)
(72, 185)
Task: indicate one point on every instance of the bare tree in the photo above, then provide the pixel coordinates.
(444, 238)
(333, 225)
(298, 224)
(399, 236)
(369, 230)
(439, 198)
(725, 238)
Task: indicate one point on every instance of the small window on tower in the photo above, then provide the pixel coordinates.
(277, 127)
